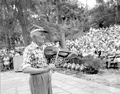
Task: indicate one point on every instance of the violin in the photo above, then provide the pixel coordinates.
(51, 51)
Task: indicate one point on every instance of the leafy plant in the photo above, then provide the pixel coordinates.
(91, 65)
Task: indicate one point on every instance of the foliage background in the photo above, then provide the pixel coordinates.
(64, 19)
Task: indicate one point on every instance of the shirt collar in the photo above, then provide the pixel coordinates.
(35, 45)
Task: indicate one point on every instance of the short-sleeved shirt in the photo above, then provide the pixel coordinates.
(33, 56)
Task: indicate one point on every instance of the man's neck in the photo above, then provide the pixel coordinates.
(39, 44)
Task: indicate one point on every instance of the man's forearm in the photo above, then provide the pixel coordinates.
(31, 70)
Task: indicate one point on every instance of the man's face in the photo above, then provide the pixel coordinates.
(40, 38)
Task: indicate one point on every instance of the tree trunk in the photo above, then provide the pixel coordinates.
(4, 23)
(22, 19)
(24, 33)
(6, 39)
(63, 44)
(62, 33)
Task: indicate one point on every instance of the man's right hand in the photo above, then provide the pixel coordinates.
(52, 66)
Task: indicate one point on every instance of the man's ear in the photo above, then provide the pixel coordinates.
(34, 38)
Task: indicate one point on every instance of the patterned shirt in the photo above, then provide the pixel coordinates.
(33, 56)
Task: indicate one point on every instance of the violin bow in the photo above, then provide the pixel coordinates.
(52, 71)
(57, 56)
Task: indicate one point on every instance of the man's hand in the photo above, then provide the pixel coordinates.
(55, 49)
(52, 66)
(72, 55)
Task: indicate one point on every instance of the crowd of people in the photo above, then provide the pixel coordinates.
(6, 58)
(106, 40)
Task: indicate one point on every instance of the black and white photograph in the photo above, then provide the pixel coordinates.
(59, 46)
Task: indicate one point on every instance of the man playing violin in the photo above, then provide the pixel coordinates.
(35, 63)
